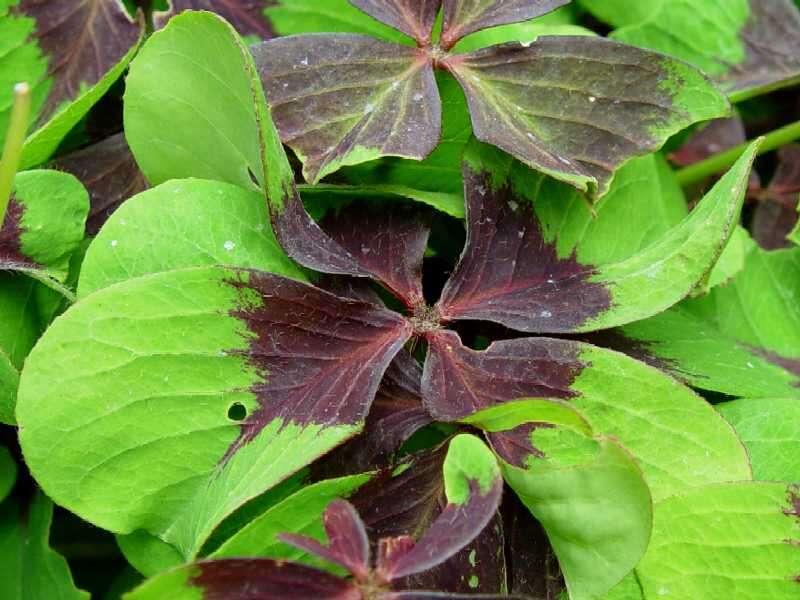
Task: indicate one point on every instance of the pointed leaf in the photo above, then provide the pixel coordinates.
(473, 486)
(247, 16)
(246, 579)
(496, 281)
(186, 102)
(594, 504)
(43, 226)
(347, 545)
(180, 224)
(415, 18)
(345, 99)
(303, 366)
(770, 430)
(31, 569)
(619, 396)
(723, 541)
(742, 339)
(590, 120)
(300, 513)
(109, 173)
(462, 17)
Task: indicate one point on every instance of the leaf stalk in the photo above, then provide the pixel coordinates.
(720, 162)
(15, 140)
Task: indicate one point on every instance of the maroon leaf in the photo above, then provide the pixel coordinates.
(265, 579)
(514, 445)
(776, 215)
(387, 241)
(453, 529)
(508, 272)
(462, 17)
(11, 255)
(717, 136)
(458, 381)
(348, 545)
(321, 357)
(247, 16)
(83, 40)
(110, 174)
(576, 107)
(413, 17)
(339, 99)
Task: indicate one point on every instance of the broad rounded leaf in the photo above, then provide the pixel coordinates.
(605, 103)
(343, 99)
(770, 430)
(734, 540)
(179, 354)
(462, 17)
(595, 507)
(185, 223)
(186, 102)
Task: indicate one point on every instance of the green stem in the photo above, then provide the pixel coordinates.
(720, 162)
(15, 139)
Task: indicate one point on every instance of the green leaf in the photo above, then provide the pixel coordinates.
(591, 121)
(183, 224)
(741, 339)
(732, 540)
(19, 325)
(8, 472)
(300, 513)
(171, 353)
(668, 270)
(292, 17)
(595, 507)
(31, 570)
(518, 412)
(9, 381)
(191, 109)
(148, 554)
(731, 261)
(770, 430)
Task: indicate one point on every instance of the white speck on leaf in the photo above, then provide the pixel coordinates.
(229, 245)
(545, 314)
(592, 99)
(114, 243)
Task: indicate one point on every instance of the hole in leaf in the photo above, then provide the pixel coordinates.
(237, 412)
(253, 177)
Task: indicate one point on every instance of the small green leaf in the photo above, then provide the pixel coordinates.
(730, 540)
(468, 459)
(770, 430)
(186, 223)
(31, 570)
(512, 414)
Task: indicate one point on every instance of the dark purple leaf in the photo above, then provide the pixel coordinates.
(577, 108)
(717, 136)
(321, 357)
(514, 445)
(83, 40)
(462, 17)
(110, 174)
(264, 579)
(458, 381)
(387, 241)
(11, 255)
(340, 99)
(776, 214)
(246, 16)
(413, 17)
(508, 272)
(348, 545)
(451, 531)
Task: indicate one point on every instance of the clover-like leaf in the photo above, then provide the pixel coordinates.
(43, 226)
(343, 99)
(109, 173)
(751, 48)
(31, 569)
(247, 16)
(496, 280)
(300, 365)
(770, 429)
(732, 340)
(724, 540)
